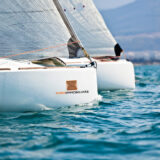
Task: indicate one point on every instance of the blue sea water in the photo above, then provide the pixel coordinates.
(125, 124)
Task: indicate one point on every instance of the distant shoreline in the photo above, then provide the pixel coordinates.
(145, 63)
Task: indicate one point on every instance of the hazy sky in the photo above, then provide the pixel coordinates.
(107, 4)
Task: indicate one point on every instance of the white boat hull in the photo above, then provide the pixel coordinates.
(36, 89)
(111, 75)
(115, 75)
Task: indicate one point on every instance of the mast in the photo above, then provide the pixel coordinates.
(69, 27)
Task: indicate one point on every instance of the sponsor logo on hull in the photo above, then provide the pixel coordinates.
(72, 88)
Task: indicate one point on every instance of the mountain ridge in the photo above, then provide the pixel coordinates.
(141, 16)
(136, 26)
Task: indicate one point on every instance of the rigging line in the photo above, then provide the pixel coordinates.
(38, 50)
(70, 28)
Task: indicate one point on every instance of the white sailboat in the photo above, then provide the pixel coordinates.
(33, 30)
(113, 72)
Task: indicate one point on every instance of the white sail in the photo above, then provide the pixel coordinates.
(33, 27)
(89, 27)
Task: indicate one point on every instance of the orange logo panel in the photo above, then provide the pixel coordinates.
(71, 85)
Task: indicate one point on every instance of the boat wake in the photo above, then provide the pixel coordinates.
(42, 107)
(27, 108)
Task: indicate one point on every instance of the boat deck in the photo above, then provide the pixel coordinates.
(13, 65)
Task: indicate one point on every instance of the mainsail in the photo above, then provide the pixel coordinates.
(89, 27)
(34, 27)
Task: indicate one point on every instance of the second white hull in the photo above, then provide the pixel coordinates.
(115, 75)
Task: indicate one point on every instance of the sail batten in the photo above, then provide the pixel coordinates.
(32, 25)
(89, 27)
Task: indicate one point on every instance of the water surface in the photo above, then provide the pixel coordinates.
(125, 124)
